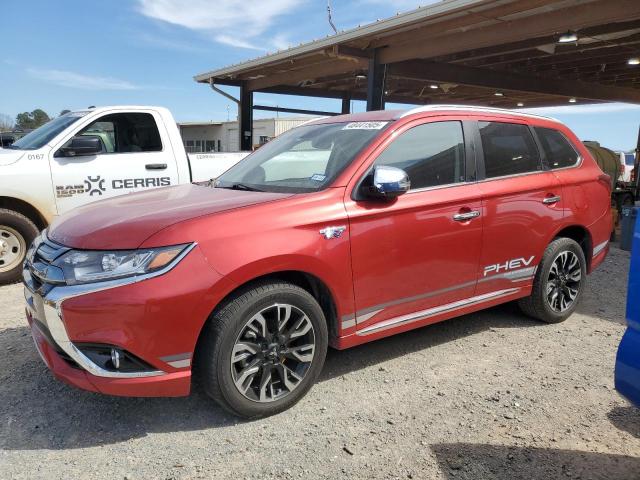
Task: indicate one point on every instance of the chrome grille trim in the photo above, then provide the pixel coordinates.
(51, 296)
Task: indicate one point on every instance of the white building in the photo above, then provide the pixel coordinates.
(223, 136)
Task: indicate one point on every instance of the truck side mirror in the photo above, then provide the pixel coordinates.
(386, 183)
(81, 145)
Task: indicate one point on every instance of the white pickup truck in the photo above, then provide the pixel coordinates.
(89, 155)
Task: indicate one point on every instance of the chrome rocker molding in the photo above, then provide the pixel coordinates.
(599, 248)
(421, 315)
(515, 276)
(51, 314)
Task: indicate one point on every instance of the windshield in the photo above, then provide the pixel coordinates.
(304, 159)
(43, 135)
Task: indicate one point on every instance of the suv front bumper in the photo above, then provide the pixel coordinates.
(156, 320)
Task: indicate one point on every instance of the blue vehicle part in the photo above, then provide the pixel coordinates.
(627, 376)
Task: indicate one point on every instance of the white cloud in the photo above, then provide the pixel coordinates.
(168, 43)
(239, 42)
(584, 109)
(232, 22)
(77, 80)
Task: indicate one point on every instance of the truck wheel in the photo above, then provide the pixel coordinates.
(16, 234)
(558, 284)
(263, 350)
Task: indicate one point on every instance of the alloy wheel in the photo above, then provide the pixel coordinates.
(12, 248)
(563, 282)
(273, 353)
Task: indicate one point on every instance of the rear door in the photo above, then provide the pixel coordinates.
(421, 250)
(522, 205)
(136, 155)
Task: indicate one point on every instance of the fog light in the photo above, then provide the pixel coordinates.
(115, 358)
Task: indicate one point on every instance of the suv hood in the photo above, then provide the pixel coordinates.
(126, 221)
(8, 156)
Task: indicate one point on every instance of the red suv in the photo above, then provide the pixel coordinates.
(342, 231)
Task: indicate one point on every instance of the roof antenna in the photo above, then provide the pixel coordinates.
(335, 30)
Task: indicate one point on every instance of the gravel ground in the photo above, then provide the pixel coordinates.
(489, 395)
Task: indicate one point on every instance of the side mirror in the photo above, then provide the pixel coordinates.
(81, 145)
(386, 183)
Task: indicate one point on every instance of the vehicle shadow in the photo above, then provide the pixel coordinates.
(626, 419)
(40, 412)
(495, 462)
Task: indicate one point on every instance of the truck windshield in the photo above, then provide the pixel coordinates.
(47, 132)
(304, 159)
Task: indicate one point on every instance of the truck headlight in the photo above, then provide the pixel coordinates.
(87, 266)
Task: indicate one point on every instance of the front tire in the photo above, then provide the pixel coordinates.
(261, 352)
(558, 284)
(16, 234)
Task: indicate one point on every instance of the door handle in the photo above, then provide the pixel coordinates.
(463, 217)
(551, 200)
(156, 166)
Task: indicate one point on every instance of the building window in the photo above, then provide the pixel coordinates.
(219, 146)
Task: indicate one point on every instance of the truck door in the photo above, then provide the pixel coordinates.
(135, 155)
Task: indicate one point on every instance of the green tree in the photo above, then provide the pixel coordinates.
(34, 119)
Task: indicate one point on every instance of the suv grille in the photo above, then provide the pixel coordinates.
(43, 275)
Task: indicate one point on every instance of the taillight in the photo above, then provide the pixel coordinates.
(633, 175)
(606, 179)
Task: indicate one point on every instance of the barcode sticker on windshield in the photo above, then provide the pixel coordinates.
(318, 177)
(364, 126)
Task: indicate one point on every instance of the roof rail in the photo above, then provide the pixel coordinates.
(435, 108)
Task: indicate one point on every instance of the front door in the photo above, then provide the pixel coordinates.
(421, 250)
(133, 158)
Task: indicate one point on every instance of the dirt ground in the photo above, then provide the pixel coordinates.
(492, 395)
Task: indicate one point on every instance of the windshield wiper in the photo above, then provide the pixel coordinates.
(242, 186)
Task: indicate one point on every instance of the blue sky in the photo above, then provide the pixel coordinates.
(72, 54)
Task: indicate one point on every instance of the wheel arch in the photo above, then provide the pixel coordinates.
(310, 282)
(24, 208)
(582, 237)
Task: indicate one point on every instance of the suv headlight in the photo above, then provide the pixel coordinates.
(87, 266)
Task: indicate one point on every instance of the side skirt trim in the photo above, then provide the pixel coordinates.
(421, 315)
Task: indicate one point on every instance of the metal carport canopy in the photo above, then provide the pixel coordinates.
(500, 53)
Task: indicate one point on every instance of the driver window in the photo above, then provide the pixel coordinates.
(126, 133)
(432, 154)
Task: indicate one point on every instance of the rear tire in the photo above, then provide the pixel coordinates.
(16, 234)
(248, 358)
(558, 284)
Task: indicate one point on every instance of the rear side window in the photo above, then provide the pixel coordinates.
(509, 149)
(557, 149)
(432, 154)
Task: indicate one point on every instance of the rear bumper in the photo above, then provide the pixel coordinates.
(627, 376)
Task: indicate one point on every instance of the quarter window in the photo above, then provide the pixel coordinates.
(556, 147)
(509, 149)
(126, 133)
(432, 154)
